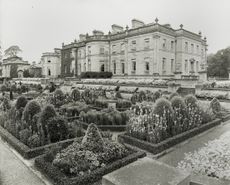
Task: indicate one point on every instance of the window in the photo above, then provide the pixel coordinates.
(84, 67)
(113, 49)
(146, 44)
(197, 49)
(186, 47)
(192, 66)
(202, 52)
(122, 48)
(185, 66)
(89, 50)
(134, 65)
(65, 68)
(164, 44)
(192, 48)
(172, 65)
(89, 65)
(147, 66)
(122, 67)
(49, 72)
(133, 48)
(172, 45)
(163, 65)
(114, 67)
(197, 66)
(102, 51)
(102, 67)
(79, 54)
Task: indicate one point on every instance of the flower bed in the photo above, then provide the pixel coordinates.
(159, 122)
(211, 160)
(86, 160)
(160, 147)
(26, 151)
(206, 94)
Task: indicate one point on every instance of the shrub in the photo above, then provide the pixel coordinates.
(57, 129)
(3, 88)
(24, 135)
(190, 100)
(157, 95)
(58, 98)
(6, 104)
(47, 113)
(90, 74)
(118, 95)
(32, 108)
(34, 141)
(215, 106)
(21, 102)
(123, 104)
(13, 88)
(164, 109)
(178, 103)
(142, 96)
(93, 140)
(173, 95)
(24, 88)
(76, 95)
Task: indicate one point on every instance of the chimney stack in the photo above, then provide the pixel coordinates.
(137, 23)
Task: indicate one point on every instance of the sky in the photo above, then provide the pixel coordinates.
(38, 26)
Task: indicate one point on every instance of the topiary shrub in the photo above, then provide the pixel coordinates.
(21, 102)
(93, 140)
(76, 95)
(157, 95)
(13, 88)
(57, 129)
(24, 135)
(47, 113)
(6, 104)
(173, 95)
(178, 103)
(3, 88)
(190, 100)
(215, 106)
(118, 95)
(32, 108)
(164, 109)
(34, 141)
(142, 96)
(58, 98)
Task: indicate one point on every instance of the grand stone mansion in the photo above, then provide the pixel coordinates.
(143, 50)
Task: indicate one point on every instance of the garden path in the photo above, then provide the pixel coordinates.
(13, 170)
(177, 153)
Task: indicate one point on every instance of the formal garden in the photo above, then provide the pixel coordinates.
(70, 132)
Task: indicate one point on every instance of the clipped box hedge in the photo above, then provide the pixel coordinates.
(60, 178)
(160, 147)
(115, 128)
(26, 151)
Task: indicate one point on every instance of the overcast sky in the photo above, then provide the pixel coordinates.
(38, 26)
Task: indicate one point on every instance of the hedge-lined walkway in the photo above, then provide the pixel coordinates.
(13, 170)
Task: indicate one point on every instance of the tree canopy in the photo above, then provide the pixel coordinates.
(12, 51)
(219, 63)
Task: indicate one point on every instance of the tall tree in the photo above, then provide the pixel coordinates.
(12, 51)
(219, 63)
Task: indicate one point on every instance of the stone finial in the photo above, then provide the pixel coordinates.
(63, 44)
(109, 33)
(156, 20)
(86, 35)
(181, 26)
(75, 40)
(127, 28)
(205, 38)
(200, 33)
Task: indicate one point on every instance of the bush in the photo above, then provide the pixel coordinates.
(57, 129)
(76, 95)
(31, 109)
(123, 104)
(173, 95)
(47, 113)
(215, 106)
(6, 104)
(118, 95)
(21, 102)
(190, 100)
(157, 95)
(13, 88)
(58, 98)
(178, 103)
(3, 88)
(34, 141)
(93, 140)
(96, 74)
(24, 135)
(142, 96)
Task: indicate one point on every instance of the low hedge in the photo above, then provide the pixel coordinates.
(60, 178)
(160, 147)
(26, 151)
(92, 74)
(115, 128)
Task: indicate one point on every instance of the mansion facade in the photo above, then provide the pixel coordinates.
(143, 50)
